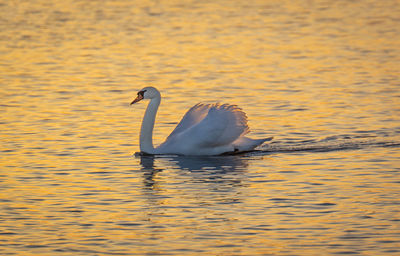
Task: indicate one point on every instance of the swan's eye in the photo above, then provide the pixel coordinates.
(141, 93)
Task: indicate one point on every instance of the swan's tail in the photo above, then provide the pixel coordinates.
(259, 142)
(247, 144)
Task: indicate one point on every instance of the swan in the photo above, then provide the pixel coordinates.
(205, 129)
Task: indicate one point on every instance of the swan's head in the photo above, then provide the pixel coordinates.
(146, 93)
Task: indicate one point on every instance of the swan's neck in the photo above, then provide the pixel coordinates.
(146, 131)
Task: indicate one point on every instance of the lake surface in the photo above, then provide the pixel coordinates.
(322, 77)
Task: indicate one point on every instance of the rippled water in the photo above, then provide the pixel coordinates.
(322, 77)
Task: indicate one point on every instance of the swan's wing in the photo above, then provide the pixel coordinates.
(222, 125)
(192, 117)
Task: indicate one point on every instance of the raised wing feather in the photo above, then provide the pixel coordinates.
(192, 117)
(222, 125)
(207, 130)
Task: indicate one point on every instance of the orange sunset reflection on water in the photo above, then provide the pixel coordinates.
(321, 77)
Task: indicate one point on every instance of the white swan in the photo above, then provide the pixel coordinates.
(206, 129)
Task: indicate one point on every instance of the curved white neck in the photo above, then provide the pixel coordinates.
(146, 131)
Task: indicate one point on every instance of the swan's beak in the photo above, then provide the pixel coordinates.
(138, 98)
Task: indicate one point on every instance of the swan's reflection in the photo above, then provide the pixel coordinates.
(179, 187)
(192, 182)
(220, 164)
(149, 171)
(207, 169)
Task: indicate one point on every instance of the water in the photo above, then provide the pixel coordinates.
(321, 77)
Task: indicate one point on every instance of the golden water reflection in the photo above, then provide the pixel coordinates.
(321, 77)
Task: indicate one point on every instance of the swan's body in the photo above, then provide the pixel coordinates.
(206, 129)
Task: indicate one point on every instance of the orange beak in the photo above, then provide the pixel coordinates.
(138, 98)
